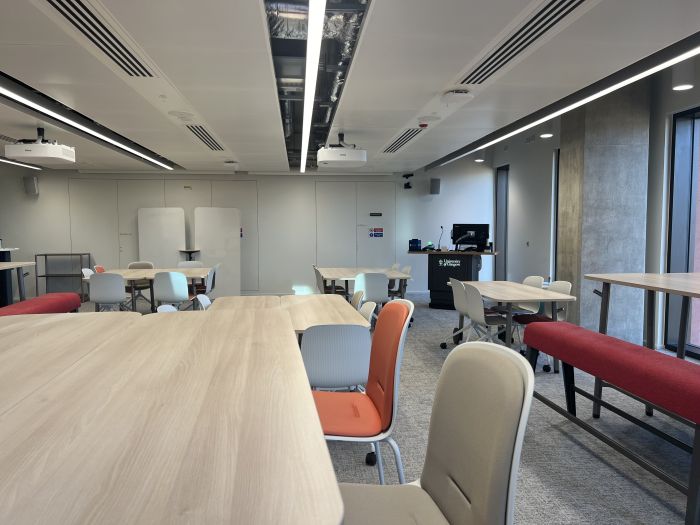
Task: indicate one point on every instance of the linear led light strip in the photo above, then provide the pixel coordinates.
(317, 14)
(680, 58)
(7, 161)
(41, 109)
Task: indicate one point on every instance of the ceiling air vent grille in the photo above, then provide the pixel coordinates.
(90, 25)
(5, 138)
(546, 18)
(202, 134)
(403, 139)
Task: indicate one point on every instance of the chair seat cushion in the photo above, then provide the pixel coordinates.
(50, 303)
(532, 318)
(388, 505)
(347, 414)
(669, 382)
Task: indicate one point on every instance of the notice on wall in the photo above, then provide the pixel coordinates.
(376, 232)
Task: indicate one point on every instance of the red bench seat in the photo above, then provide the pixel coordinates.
(50, 303)
(666, 381)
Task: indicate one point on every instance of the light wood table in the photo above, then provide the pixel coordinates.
(17, 265)
(313, 310)
(185, 418)
(349, 273)
(509, 293)
(245, 301)
(142, 274)
(34, 349)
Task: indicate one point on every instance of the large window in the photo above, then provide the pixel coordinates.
(684, 228)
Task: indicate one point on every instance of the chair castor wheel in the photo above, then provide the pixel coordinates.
(371, 459)
(546, 368)
(456, 338)
(443, 345)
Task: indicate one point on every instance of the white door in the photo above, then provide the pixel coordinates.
(217, 233)
(94, 226)
(132, 195)
(376, 224)
(336, 222)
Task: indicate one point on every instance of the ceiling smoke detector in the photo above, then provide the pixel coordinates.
(456, 96)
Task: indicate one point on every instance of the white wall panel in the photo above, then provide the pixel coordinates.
(132, 195)
(287, 211)
(217, 234)
(243, 195)
(336, 223)
(188, 194)
(94, 224)
(374, 249)
(161, 235)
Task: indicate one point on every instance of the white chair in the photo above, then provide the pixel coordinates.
(170, 288)
(481, 323)
(190, 264)
(107, 291)
(477, 426)
(367, 310)
(166, 309)
(143, 284)
(536, 281)
(356, 300)
(204, 301)
(206, 288)
(397, 287)
(213, 278)
(375, 287)
(336, 356)
(461, 305)
(87, 272)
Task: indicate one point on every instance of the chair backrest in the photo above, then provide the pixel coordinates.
(536, 281)
(87, 272)
(395, 266)
(406, 269)
(559, 287)
(166, 309)
(190, 264)
(336, 356)
(459, 296)
(107, 288)
(480, 411)
(385, 359)
(320, 284)
(367, 310)
(204, 301)
(474, 307)
(170, 287)
(374, 285)
(140, 265)
(213, 277)
(209, 282)
(356, 300)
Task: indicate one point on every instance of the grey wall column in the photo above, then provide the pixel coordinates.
(603, 180)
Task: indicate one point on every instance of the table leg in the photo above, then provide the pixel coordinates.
(20, 284)
(509, 325)
(133, 296)
(683, 327)
(649, 336)
(153, 299)
(602, 328)
(333, 286)
(555, 361)
(347, 289)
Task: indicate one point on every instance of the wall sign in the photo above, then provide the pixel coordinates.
(376, 232)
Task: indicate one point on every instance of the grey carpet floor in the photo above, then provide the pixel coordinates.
(566, 475)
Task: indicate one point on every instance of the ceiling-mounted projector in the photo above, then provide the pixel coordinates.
(41, 151)
(341, 155)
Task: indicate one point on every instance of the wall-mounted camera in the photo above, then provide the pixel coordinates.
(407, 184)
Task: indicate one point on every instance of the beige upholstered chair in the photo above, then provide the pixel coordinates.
(476, 433)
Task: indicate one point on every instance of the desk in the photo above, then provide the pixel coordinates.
(349, 273)
(508, 293)
(313, 310)
(8, 266)
(245, 302)
(140, 274)
(182, 418)
(6, 277)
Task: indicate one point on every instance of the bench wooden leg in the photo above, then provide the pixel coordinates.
(531, 354)
(692, 510)
(569, 384)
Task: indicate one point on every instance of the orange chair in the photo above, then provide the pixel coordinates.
(369, 417)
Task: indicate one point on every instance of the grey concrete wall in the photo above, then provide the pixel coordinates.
(607, 160)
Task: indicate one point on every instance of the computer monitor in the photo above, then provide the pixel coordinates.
(476, 235)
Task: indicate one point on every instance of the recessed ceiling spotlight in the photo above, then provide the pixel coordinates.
(480, 156)
(683, 76)
(546, 135)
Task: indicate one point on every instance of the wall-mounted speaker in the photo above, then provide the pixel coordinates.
(31, 185)
(435, 186)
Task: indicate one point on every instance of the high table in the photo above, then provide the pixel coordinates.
(509, 293)
(18, 265)
(198, 417)
(142, 274)
(350, 273)
(313, 310)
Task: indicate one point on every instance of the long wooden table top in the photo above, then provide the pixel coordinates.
(686, 284)
(34, 349)
(510, 292)
(313, 310)
(245, 301)
(349, 274)
(138, 274)
(11, 265)
(182, 418)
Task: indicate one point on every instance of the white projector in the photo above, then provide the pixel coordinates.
(44, 154)
(339, 157)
